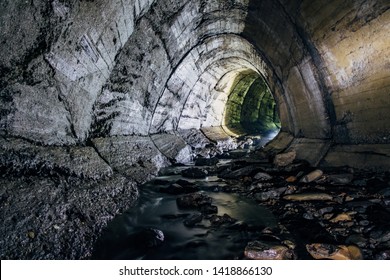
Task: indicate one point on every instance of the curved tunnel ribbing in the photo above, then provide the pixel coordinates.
(96, 97)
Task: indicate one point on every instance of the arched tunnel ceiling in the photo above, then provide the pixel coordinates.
(103, 68)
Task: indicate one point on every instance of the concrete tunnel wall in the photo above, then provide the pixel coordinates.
(96, 96)
(76, 70)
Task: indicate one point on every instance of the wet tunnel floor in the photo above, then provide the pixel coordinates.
(246, 208)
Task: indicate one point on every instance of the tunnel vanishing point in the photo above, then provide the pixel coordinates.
(97, 96)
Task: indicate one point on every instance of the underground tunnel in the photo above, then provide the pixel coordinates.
(204, 129)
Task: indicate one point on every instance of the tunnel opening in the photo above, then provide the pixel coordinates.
(251, 108)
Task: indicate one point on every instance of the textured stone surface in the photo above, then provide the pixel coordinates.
(60, 217)
(21, 157)
(173, 147)
(115, 72)
(375, 157)
(76, 69)
(133, 156)
(220, 137)
(311, 150)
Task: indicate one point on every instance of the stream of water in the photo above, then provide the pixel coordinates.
(157, 210)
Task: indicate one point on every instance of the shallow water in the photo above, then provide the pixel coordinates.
(204, 241)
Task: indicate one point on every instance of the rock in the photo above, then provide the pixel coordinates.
(357, 239)
(209, 209)
(290, 244)
(194, 173)
(290, 189)
(364, 223)
(261, 176)
(309, 197)
(216, 220)
(20, 157)
(384, 255)
(173, 147)
(291, 179)
(257, 250)
(31, 234)
(81, 209)
(272, 194)
(193, 201)
(340, 179)
(325, 210)
(380, 235)
(133, 156)
(334, 252)
(236, 154)
(206, 161)
(282, 160)
(343, 217)
(312, 176)
(193, 219)
(308, 216)
(385, 192)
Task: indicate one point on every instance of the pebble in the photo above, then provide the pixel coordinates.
(291, 179)
(312, 176)
(262, 176)
(31, 234)
(343, 217)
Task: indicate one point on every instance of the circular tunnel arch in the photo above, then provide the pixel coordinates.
(251, 107)
(198, 90)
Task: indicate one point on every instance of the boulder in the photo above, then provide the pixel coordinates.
(173, 147)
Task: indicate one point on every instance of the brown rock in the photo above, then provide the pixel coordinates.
(343, 217)
(334, 252)
(291, 179)
(312, 176)
(308, 197)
